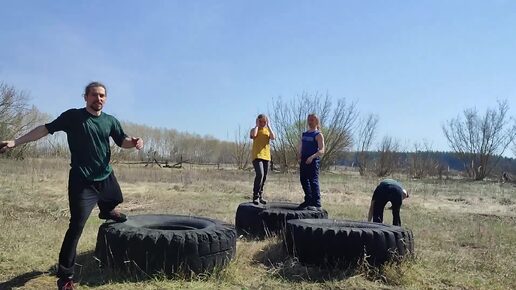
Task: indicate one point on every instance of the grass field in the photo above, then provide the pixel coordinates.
(465, 232)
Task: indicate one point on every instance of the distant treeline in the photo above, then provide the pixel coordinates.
(430, 163)
(160, 143)
(479, 141)
(174, 146)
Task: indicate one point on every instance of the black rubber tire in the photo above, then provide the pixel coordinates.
(166, 244)
(259, 221)
(327, 242)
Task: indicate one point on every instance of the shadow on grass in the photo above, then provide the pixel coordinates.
(279, 264)
(275, 257)
(21, 280)
(87, 272)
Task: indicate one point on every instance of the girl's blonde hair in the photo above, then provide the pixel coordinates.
(318, 125)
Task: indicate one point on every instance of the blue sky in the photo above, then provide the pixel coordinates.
(209, 66)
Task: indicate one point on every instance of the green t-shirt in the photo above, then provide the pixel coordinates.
(389, 189)
(88, 140)
(392, 182)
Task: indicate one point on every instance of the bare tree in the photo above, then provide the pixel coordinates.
(32, 118)
(387, 156)
(13, 108)
(480, 141)
(16, 117)
(366, 134)
(289, 119)
(241, 149)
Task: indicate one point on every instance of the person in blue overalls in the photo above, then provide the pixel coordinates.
(310, 149)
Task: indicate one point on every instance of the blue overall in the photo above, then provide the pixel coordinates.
(309, 173)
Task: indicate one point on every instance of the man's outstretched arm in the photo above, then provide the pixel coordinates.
(35, 134)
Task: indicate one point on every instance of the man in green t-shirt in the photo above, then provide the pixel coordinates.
(91, 180)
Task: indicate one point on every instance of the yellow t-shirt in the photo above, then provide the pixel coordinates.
(261, 146)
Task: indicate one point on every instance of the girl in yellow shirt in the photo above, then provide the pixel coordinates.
(261, 134)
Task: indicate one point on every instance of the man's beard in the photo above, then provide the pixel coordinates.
(96, 107)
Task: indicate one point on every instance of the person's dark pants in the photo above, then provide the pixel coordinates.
(383, 195)
(261, 167)
(82, 197)
(309, 177)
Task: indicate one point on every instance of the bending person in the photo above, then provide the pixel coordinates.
(91, 180)
(389, 190)
(261, 134)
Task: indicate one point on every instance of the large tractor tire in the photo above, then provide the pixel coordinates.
(166, 244)
(332, 243)
(259, 221)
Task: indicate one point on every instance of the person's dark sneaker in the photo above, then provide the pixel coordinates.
(114, 215)
(302, 205)
(65, 284)
(262, 201)
(256, 201)
(315, 208)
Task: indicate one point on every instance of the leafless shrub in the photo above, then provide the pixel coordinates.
(421, 161)
(241, 149)
(387, 157)
(366, 134)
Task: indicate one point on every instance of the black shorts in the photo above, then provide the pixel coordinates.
(108, 190)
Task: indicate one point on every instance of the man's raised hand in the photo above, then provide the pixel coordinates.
(138, 143)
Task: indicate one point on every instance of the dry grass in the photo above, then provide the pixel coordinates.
(465, 231)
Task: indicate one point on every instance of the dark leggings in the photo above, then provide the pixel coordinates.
(261, 167)
(309, 177)
(383, 195)
(82, 197)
